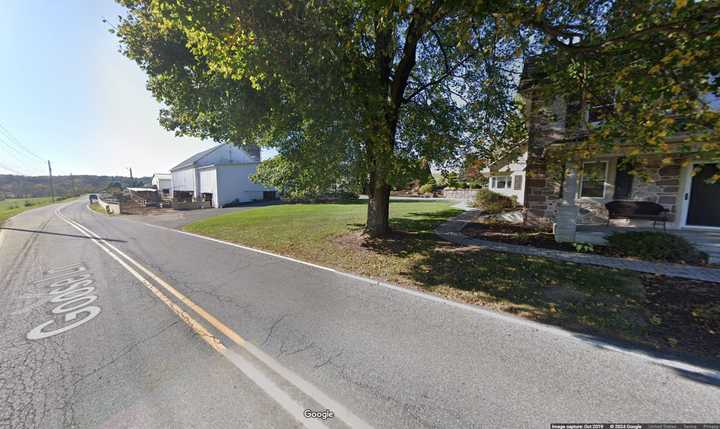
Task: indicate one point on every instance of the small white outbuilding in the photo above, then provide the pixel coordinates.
(163, 183)
(221, 175)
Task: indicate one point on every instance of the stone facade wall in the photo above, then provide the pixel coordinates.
(662, 186)
(541, 195)
(658, 183)
(541, 189)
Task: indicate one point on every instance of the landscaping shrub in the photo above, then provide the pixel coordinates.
(491, 202)
(29, 203)
(426, 188)
(656, 246)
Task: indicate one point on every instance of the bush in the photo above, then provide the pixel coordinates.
(656, 246)
(475, 184)
(491, 202)
(426, 188)
(29, 203)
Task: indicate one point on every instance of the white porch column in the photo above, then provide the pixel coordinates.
(566, 221)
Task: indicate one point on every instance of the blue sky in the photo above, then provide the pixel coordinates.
(68, 95)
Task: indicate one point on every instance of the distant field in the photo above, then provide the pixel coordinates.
(12, 206)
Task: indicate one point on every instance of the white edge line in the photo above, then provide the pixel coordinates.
(309, 389)
(294, 409)
(714, 374)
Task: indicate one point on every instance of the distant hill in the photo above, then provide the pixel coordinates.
(12, 186)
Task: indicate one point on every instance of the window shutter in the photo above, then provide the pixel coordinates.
(517, 182)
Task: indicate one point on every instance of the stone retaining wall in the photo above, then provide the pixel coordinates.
(460, 194)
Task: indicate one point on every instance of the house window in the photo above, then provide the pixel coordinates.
(598, 113)
(592, 184)
(573, 111)
(500, 182)
(517, 182)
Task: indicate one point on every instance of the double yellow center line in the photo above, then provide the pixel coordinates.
(247, 367)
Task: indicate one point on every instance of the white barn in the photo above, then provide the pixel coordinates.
(221, 175)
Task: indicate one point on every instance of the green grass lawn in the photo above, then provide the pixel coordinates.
(583, 298)
(12, 206)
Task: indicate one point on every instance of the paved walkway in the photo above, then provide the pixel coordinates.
(452, 231)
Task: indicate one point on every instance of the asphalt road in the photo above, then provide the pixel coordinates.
(189, 332)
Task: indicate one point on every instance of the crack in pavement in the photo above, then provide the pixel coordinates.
(329, 360)
(124, 352)
(272, 328)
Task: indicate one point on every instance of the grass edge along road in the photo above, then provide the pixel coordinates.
(96, 207)
(620, 304)
(13, 206)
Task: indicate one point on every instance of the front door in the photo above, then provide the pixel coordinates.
(704, 206)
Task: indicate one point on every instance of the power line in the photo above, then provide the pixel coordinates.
(17, 142)
(15, 150)
(21, 157)
(14, 143)
(12, 162)
(12, 170)
(17, 162)
(9, 140)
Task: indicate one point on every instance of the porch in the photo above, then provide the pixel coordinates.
(704, 240)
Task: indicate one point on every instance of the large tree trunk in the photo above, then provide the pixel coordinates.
(391, 86)
(378, 206)
(380, 154)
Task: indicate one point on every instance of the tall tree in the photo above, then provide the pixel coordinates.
(380, 83)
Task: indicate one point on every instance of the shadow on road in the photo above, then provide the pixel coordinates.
(64, 235)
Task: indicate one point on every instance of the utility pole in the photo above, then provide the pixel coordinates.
(72, 181)
(52, 190)
(132, 181)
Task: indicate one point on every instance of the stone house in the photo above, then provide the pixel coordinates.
(575, 192)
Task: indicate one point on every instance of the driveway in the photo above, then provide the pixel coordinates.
(178, 218)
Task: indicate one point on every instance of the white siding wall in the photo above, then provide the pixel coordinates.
(509, 189)
(184, 180)
(235, 183)
(162, 183)
(516, 171)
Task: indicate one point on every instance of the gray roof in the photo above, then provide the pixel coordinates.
(195, 158)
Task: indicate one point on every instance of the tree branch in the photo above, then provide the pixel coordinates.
(418, 25)
(442, 49)
(439, 79)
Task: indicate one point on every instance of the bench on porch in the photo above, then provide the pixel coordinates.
(645, 210)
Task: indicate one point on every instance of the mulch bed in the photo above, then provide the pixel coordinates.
(683, 314)
(516, 234)
(505, 232)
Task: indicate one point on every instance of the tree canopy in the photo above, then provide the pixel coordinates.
(382, 85)
(644, 74)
